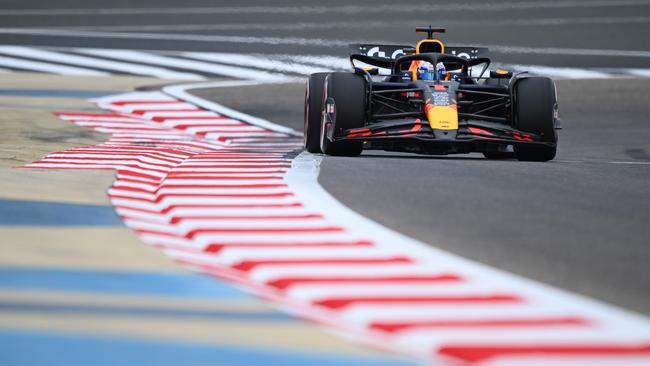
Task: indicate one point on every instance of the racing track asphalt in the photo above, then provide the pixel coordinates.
(580, 222)
(528, 32)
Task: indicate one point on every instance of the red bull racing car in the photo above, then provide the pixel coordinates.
(430, 99)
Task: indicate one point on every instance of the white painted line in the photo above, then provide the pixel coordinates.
(278, 66)
(128, 108)
(46, 67)
(216, 69)
(638, 72)
(199, 192)
(256, 61)
(296, 41)
(411, 312)
(181, 92)
(181, 114)
(340, 63)
(316, 292)
(269, 274)
(562, 72)
(98, 63)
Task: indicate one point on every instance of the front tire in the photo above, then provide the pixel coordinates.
(535, 109)
(345, 108)
(313, 109)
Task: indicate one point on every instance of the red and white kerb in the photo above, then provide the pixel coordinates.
(224, 197)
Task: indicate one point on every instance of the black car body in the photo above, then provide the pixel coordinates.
(500, 115)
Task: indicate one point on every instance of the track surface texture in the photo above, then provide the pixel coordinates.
(520, 31)
(221, 196)
(579, 222)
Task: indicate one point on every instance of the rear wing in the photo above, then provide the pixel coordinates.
(385, 51)
(467, 52)
(391, 52)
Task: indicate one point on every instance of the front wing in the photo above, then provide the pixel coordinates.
(415, 135)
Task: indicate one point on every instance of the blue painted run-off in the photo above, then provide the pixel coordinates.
(42, 213)
(117, 282)
(21, 348)
(142, 312)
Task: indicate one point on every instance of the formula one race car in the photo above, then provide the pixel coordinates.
(431, 99)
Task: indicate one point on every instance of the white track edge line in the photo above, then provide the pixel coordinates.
(303, 177)
(181, 92)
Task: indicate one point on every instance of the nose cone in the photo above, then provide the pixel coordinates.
(441, 117)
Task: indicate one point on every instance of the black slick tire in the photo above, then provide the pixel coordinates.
(345, 95)
(313, 109)
(535, 108)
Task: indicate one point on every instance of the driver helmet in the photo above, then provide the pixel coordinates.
(440, 69)
(425, 71)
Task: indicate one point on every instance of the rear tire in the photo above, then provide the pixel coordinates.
(535, 108)
(346, 92)
(313, 110)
